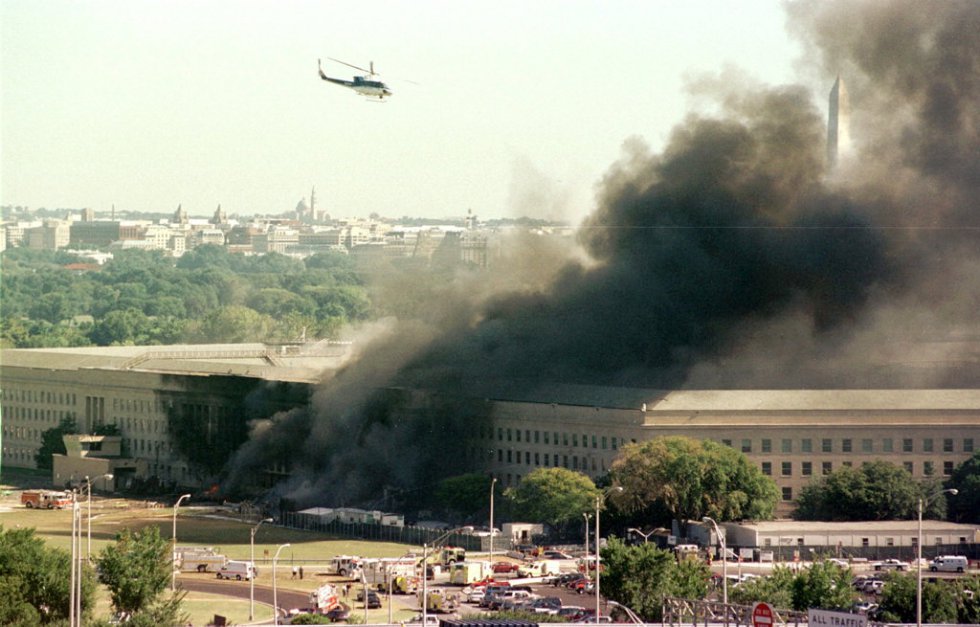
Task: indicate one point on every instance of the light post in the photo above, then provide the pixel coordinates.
(275, 595)
(173, 554)
(918, 558)
(586, 517)
(724, 563)
(74, 561)
(599, 500)
(646, 536)
(251, 579)
(425, 581)
(493, 484)
(88, 550)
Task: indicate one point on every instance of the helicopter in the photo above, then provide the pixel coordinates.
(364, 85)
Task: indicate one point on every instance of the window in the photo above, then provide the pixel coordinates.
(766, 445)
(887, 446)
(509, 456)
(537, 436)
(508, 435)
(806, 469)
(906, 445)
(889, 541)
(826, 467)
(787, 493)
(967, 445)
(518, 434)
(546, 438)
(865, 542)
(537, 459)
(928, 469)
(909, 468)
(866, 445)
(767, 468)
(574, 439)
(947, 468)
(585, 441)
(527, 435)
(564, 439)
(927, 445)
(947, 445)
(806, 445)
(787, 446)
(726, 442)
(845, 445)
(595, 442)
(787, 469)
(746, 446)
(604, 443)
(827, 445)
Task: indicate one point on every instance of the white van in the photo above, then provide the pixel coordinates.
(949, 563)
(236, 570)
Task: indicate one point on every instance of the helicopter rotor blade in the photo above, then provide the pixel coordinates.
(371, 71)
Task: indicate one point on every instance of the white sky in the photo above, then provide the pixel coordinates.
(519, 107)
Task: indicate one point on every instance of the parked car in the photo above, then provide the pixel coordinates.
(338, 614)
(573, 613)
(373, 600)
(505, 567)
(949, 563)
(582, 586)
(546, 605)
(566, 578)
(431, 620)
(891, 564)
(556, 555)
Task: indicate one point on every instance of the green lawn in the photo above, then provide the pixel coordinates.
(201, 526)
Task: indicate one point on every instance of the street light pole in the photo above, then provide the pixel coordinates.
(646, 536)
(599, 500)
(724, 563)
(74, 558)
(918, 558)
(586, 516)
(275, 595)
(425, 580)
(493, 484)
(173, 553)
(251, 579)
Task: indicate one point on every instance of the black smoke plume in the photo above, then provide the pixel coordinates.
(734, 257)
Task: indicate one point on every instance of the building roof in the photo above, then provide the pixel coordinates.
(870, 526)
(658, 401)
(296, 363)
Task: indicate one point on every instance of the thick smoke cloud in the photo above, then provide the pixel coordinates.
(733, 257)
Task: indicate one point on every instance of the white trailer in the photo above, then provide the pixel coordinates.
(465, 573)
(344, 565)
(201, 560)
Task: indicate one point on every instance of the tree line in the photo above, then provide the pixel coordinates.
(145, 297)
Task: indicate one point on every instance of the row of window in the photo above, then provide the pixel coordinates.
(38, 396)
(53, 416)
(537, 436)
(863, 445)
(806, 468)
(545, 460)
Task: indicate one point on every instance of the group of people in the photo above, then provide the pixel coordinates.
(297, 570)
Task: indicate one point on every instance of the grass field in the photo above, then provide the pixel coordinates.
(205, 525)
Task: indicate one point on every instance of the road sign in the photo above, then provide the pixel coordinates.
(762, 615)
(826, 618)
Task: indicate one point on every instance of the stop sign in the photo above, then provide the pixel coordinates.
(762, 615)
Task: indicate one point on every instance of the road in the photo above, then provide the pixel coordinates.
(288, 599)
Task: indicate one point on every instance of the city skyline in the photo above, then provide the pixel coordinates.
(513, 109)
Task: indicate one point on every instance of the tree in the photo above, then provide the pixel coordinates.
(776, 589)
(691, 479)
(555, 496)
(965, 506)
(35, 581)
(825, 585)
(898, 601)
(878, 490)
(52, 442)
(136, 569)
(641, 576)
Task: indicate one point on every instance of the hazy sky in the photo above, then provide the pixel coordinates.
(515, 107)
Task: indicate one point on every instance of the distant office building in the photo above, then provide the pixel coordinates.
(51, 235)
(838, 123)
(92, 233)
